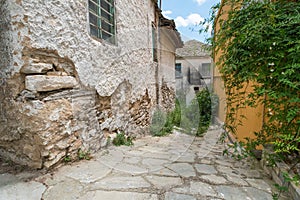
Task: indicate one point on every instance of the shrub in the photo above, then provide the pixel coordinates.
(198, 114)
(163, 124)
(204, 102)
(83, 155)
(122, 139)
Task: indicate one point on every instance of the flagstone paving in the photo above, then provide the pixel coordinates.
(175, 167)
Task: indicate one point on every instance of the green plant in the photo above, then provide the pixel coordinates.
(108, 140)
(260, 64)
(284, 187)
(67, 159)
(158, 122)
(122, 139)
(204, 103)
(163, 124)
(198, 113)
(83, 155)
(196, 116)
(262, 52)
(214, 106)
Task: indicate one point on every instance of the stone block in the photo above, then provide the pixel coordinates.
(42, 83)
(37, 68)
(57, 73)
(58, 156)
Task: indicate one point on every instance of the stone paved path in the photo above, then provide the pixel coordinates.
(176, 167)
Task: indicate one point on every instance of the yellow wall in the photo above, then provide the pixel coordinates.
(218, 84)
(254, 116)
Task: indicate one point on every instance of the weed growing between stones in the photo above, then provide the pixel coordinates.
(195, 117)
(163, 124)
(83, 155)
(67, 159)
(122, 139)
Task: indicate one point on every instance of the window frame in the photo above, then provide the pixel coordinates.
(179, 74)
(103, 20)
(205, 72)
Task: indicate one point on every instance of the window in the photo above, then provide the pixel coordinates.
(205, 70)
(102, 19)
(193, 76)
(178, 72)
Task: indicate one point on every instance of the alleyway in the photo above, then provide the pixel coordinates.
(176, 167)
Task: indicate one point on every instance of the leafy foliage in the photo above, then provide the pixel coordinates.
(203, 99)
(83, 155)
(197, 115)
(162, 124)
(260, 48)
(122, 139)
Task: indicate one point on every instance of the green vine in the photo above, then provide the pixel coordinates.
(259, 47)
(260, 44)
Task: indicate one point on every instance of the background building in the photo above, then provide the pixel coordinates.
(193, 68)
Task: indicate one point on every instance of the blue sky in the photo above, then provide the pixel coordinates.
(187, 14)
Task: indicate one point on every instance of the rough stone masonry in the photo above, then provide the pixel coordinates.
(61, 90)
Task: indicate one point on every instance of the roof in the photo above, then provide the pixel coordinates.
(193, 48)
(168, 26)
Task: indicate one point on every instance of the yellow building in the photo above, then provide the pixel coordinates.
(253, 120)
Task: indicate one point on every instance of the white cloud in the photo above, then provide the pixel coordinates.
(200, 2)
(166, 13)
(192, 19)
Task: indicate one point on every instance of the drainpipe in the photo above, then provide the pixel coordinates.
(159, 49)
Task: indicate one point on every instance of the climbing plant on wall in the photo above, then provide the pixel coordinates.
(260, 45)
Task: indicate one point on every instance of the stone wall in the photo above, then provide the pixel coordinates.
(61, 90)
(167, 70)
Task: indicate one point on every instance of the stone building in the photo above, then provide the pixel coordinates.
(74, 72)
(193, 68)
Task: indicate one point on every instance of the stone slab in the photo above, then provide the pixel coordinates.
(85, 172)
(237, 180)
(162, 171)
(254, 193)
(132, 169)
(186, 157)
(42, 83)
(202, 189)
(164, 182)
(7, 179)
(120, 182)
(22, 191)
(214, 179)
(259, 184)
(197, 188)
(176, 196)
(231, 192)
(36, 68)
(115, 195)
(183, 169)
(205, 169)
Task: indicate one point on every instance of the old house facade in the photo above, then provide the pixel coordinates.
(74, 72)
(193, 68)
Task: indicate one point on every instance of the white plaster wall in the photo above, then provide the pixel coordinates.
(121, 73)
(62, 25)
(167, 57)
(193, 63)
